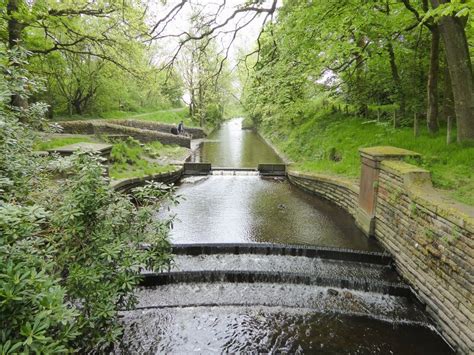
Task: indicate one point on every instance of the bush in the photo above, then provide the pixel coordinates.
(70, 249)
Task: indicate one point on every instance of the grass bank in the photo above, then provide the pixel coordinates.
(329, 143)
(172, 116)
(128, 158)
(56, 142)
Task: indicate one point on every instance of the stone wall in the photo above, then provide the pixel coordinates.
(125, 185)
(160, 127)
(430, 236)
(342, 192)
(143, 135)
(431, 240)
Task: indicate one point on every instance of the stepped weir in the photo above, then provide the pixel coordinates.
(266, 297)
(262, 267)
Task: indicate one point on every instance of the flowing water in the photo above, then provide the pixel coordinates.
(230, 146)
(244, 207)
(297, 304)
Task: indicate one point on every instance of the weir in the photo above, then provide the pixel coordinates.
(262, 266)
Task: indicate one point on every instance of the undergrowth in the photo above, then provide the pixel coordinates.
(329, 142)
(130, 158)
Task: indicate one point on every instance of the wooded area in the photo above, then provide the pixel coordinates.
(401, 58)
(323, 79)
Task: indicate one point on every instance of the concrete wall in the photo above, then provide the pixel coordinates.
(143, 135)
(429, 235)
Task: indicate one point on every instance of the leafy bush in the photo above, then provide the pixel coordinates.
(70, 249)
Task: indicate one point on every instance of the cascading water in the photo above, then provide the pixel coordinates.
(230, 172)
(259, 298)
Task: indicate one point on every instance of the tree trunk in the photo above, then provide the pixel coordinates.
(460, 71)
(202, 119)
(433, 75)
(360, 81)
(77, 103)
(397, 83)
(448, 100)
(15, 29)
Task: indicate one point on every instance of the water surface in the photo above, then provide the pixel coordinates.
(230, 146)
(214, 330)
(230, 209)
(224, 317)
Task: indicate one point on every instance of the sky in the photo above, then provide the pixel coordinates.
(245, 40)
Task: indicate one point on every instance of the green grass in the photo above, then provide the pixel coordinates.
(59, 142)
(157, 150)
(140, 169)
(325, 135)
(131, 159)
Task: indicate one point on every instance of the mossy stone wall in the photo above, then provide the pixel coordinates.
(430, 237)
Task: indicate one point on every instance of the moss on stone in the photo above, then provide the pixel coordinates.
(387, 151)
(401, 167)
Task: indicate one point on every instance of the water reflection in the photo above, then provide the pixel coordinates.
(270, 330)
(223, 209)
(230, 146)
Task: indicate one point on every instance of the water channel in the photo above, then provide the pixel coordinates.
(227, 208)
(258, 317)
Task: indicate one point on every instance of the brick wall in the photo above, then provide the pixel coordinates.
(157, 126)
(431, 240)
(125, 185)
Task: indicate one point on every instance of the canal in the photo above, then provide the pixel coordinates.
(249, 208)
(264, 317)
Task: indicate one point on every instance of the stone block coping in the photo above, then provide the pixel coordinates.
(386, 152)
(99, 148)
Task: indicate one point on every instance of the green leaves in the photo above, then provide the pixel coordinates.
(70, 248)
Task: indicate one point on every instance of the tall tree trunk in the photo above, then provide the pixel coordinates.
(397, 83)
(448, 100)
(15, 29)
(460, 71)
(360, 82)
(202, 119)
(433, 75)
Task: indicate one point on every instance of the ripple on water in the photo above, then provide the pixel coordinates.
(269, 330)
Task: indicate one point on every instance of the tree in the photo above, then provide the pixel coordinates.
(460, 68)
(71, 249)
(206, 77)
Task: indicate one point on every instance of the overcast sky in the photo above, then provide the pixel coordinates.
(245, 40)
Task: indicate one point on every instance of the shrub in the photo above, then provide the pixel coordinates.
(70, 249)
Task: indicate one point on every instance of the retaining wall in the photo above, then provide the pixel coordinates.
(429, 235)
(125, 185)
(431, 239)
(342, 192)
(143, 135)
(160, 127)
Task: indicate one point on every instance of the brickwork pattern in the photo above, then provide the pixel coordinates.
(125, 185)
(433, 246)
(157, 126)
(434, 253)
